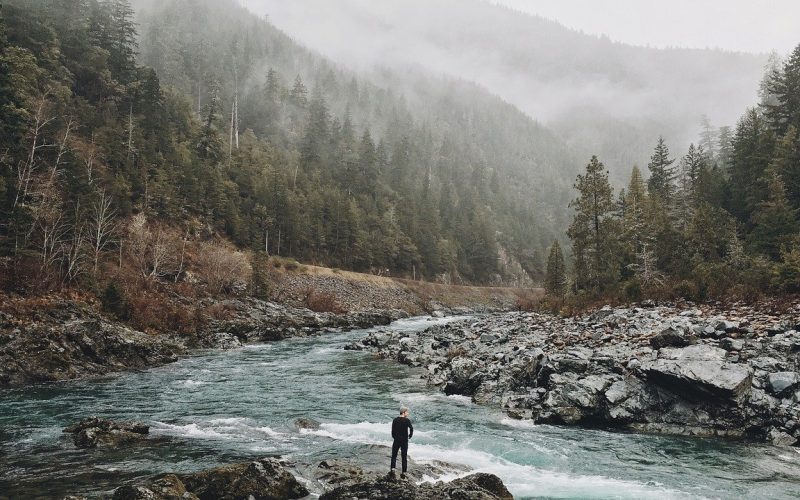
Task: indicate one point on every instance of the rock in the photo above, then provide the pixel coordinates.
(390, 487)
(437, 314)
(94, 431)
(698, 371)
(306, 423)
(673, 336)
(463, 380)
(730, 344)
(780, 383)
(264, 479)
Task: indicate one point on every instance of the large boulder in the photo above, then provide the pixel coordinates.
(699, 371)
(264, 479)
(96, 432)
(473, 487)
(464, 377)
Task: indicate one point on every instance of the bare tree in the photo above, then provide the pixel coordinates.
(73, 253)
(102, 228)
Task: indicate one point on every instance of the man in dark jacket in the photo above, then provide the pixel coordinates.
(402, 430)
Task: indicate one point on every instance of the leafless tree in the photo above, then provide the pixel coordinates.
(102, 228)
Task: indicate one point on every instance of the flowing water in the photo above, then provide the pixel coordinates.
(226, 406)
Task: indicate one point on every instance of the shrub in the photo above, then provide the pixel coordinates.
(221, 268)
(686, 289)
(114, 302)
(323, 302)
(633, 291)
(261, 281)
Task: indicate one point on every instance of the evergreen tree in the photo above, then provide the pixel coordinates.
(724, 148)
(555, 282)
(662, 174)
(593, 232)
(785, 87)
(752, 152)
(774, 221)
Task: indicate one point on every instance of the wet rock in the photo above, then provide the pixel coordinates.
(263, 479)
(390, 487)
(96, 432)
(306, 423)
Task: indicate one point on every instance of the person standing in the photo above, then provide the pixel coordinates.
(402, 431)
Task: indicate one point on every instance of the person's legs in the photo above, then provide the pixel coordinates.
(404, 454)
(395, 447)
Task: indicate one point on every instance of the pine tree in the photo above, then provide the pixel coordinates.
(593, 232)
(634, 222)
(786, 162)
(555, 282)
(724, 148)
(785, 87)
(662, 174)
(752, 151)
(774, 221)
(707, 138)
(299, 93)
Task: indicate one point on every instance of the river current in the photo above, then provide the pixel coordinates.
(226, 406)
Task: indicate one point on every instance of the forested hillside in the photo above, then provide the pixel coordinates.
(602, 97)
(218, 124)
(719, 221)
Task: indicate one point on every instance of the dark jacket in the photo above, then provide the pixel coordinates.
(402, 429)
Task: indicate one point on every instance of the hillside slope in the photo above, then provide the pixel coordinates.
(603, 97)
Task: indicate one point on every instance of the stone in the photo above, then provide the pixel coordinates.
(780, 383)
(673, 336)
(699, 370)
(96, 432)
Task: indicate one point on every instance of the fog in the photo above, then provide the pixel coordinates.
(739, 25)
(602, 96)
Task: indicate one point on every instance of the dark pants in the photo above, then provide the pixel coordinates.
(400, 445)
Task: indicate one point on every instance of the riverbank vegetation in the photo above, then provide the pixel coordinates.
(719, 222)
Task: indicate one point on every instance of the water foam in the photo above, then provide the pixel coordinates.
(522, 480)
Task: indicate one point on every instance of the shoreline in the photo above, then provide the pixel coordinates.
(693, 371)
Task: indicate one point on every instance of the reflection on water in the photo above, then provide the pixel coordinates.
(220, 407)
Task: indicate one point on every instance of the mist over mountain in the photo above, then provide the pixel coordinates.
(602, 97)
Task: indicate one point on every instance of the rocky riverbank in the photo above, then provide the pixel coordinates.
(685, 370)
(67, 339)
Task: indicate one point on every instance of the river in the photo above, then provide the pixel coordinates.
(226, 406)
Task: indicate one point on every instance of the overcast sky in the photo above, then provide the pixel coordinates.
(745, 25)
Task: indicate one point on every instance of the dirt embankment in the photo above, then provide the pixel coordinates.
(321, 288)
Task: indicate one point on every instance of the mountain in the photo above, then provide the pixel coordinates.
(197, 119)
(602, 97)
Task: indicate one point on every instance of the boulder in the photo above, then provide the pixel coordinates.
(464, 377)
(306, 423)
(673, 336)
(264, 479)
(699, 371)
(95, 431)
(780, 383)
(390, 487)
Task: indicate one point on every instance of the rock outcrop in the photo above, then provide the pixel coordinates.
(688, 371)
(96, 432)
(263, 479)
(70, 340)
(345, 480)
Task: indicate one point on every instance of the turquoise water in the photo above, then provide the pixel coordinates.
(226, 406)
